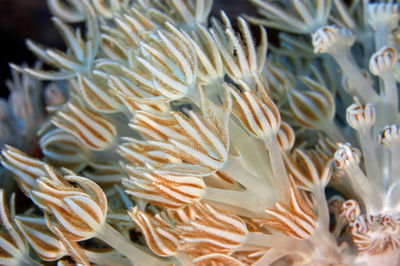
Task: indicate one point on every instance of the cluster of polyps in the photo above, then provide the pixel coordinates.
(165, 125)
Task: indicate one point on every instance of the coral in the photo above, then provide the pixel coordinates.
(163, 136)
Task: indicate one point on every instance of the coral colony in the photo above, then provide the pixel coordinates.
(164, 136)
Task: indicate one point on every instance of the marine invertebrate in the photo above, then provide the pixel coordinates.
(176, 140)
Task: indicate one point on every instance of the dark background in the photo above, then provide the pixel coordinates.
(30, 19)
(19, 20)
